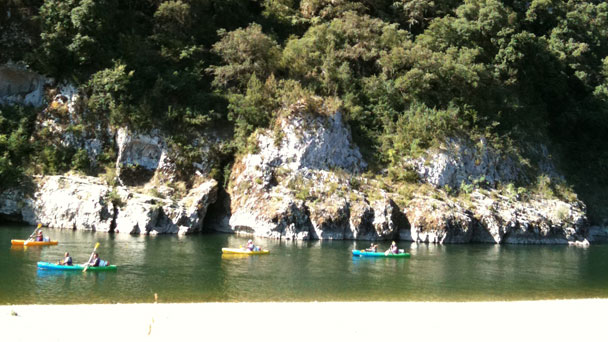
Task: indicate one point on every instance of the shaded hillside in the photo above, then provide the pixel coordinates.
(405, 74)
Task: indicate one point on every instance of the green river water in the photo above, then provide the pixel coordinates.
(192, 269)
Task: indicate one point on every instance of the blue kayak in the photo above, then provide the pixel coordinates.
(379, 254)
(52, 266)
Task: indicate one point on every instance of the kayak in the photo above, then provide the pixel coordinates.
(379, 254)
(33, 243)
(52, 266)
(243, 251)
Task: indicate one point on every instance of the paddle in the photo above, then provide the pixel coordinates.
(35, 230)
(91, 257)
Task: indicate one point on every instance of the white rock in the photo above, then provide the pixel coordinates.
(263, 198)
(85, 203)
(458, 161)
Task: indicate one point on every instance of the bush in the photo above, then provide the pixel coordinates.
(81, 161)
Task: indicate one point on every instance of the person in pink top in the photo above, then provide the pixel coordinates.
(393, 249)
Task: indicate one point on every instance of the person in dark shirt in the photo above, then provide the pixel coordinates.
(95, 260)
(67, 260)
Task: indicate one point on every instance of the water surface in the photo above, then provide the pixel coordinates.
(192, 269)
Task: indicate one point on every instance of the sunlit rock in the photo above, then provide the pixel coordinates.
(300, 183)
(458, 161)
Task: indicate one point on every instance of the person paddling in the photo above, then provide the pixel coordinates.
(94, 261)
(250, 246)
(67, 260)
(393, 249)
(39, 236)
(372, 248)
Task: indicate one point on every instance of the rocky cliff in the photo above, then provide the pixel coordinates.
(303, 179)
(88, 203)
(277, 192)
(298, 185)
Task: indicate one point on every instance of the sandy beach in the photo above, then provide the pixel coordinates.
(338, 321)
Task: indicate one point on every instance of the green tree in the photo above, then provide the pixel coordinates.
(244, 52)
(16, 127)
(109, 94)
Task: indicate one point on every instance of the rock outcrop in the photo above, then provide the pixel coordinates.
(87, 203)
(303, 182)
(65, 123)
(21, 86)
(492, 218)
(139, 156)
(299, 185)
(460, 161)
(487, 215)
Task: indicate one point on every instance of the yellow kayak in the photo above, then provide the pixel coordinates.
(33, 243)
(243, 251)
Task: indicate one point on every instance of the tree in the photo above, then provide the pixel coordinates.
(244, 52)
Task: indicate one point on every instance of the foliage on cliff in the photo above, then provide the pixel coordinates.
(407, 72)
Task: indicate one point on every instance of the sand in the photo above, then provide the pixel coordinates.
(558, 320)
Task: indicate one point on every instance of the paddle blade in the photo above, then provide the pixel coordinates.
(39, 225)
(96, 245)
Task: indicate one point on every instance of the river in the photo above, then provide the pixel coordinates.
(192, 269)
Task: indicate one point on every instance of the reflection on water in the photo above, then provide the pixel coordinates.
(193, 269)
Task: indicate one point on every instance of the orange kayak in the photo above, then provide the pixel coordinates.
(33, 243)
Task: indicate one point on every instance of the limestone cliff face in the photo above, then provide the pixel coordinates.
(140, 155)
(460, 161)
(299, 185)
(488, 218)
(145, 197)
(487, 214)
(87, 203)
(64, 122)
(305, 184)
(303, 180)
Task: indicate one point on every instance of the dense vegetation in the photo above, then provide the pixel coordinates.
(406, 73)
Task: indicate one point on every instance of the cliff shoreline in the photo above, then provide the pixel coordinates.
(303, 178)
